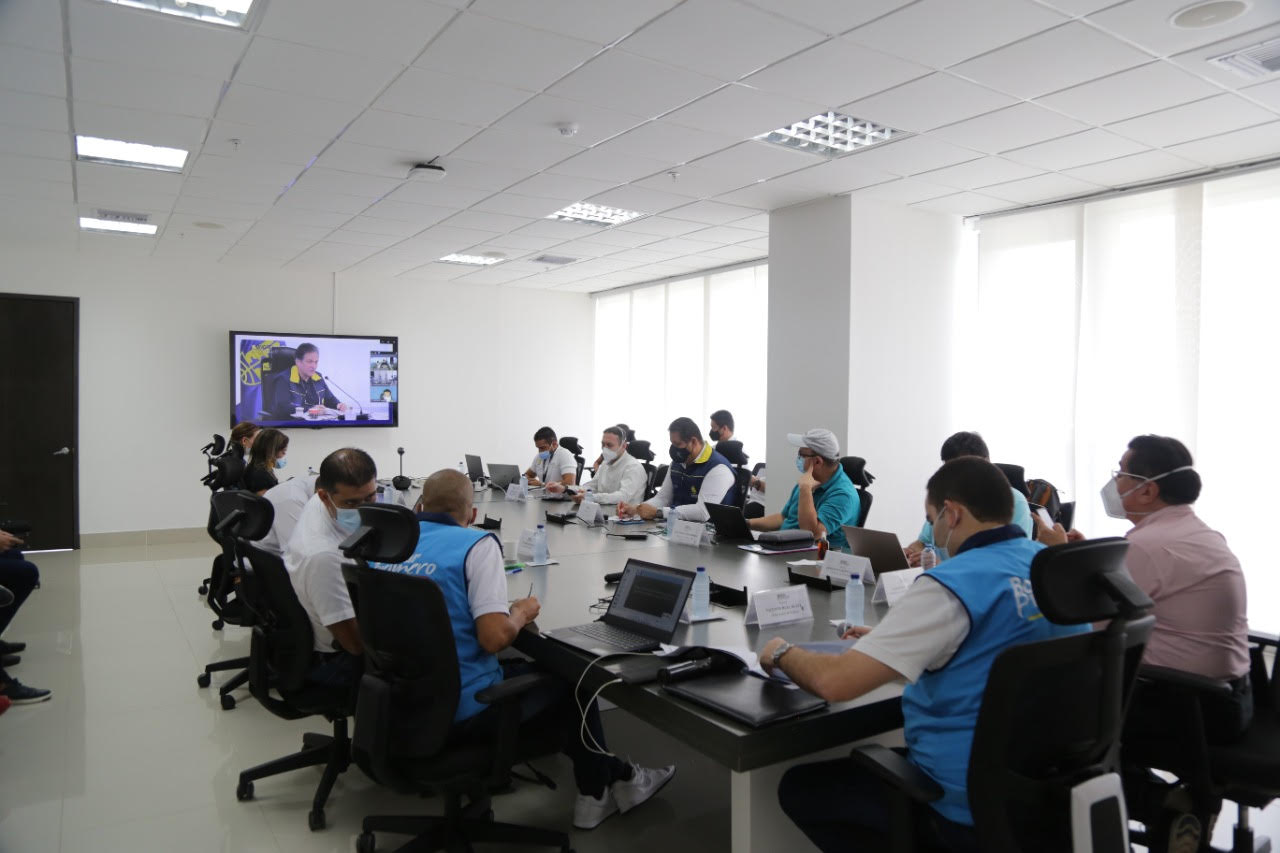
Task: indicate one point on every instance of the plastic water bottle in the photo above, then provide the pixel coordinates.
(540, 553)
(928, 557)
(853, 595)
(524, 484)
(701, 594)
(669, 523)
(462, 469)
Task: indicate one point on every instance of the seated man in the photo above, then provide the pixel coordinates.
(620, 477)
(942, 636)
(824, 500)
(288, 499)
(721, 426)
(553, 464)
(304, 388)
(968, 444)
(347, 481)
(19, 577)
(467, 565)
(698, 475)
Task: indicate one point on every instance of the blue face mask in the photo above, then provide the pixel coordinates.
(544, 455)
(800, 464)
(280, 463)
(349, 520)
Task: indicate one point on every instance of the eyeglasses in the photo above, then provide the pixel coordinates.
(1117, 474)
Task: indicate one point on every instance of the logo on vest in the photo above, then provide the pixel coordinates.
(412, 566)
(1025, 600)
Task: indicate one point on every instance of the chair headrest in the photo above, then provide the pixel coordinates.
(218, 445)
(855, 467)
(732, 450)
(1015, 474)
(246, 515)
(1086, 582)
(640, 450)
(278, 359)
(570, 443)
(388, 534)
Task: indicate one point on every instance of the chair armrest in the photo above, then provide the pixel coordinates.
(512, 688)
(1262, 638)
(893, 769)
(1177, 678)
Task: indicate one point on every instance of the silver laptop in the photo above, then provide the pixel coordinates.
(475, 470)
(501, 476)
(881, 548)
(644, 613)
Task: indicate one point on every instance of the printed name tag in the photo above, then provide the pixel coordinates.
(516, 492)
(779, 606)
(840, 566)
(688, 532)
(589, 511)
(891, 586)
(524, 549)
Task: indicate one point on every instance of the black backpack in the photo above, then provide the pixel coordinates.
(1043, 493)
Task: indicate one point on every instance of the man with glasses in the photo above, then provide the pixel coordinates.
(824, 500)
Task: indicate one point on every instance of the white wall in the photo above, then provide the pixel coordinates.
(154, 362)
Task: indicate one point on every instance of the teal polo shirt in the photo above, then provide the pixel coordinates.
(1021, 517)
(837, 504)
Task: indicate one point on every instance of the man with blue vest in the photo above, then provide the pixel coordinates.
(942, 637)
(698, 475)
(466, 564)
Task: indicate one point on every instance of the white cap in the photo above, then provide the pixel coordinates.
(820, 441)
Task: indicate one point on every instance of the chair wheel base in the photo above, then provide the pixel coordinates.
(204, 679)
(315, 820)
(244, 791)
(218, 624)
(365, 843)
(228, 701)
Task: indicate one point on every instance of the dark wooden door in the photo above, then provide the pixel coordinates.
(39, 424)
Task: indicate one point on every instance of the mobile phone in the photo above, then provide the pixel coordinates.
(1043, 515)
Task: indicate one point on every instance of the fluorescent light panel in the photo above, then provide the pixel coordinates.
(471, 260)
(832, 134)
(595, 214)
(88, 223)
(227, 13)
(114, 152)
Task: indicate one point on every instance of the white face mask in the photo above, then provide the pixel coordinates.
(609, 454)
(943, 549)
(1113, 498)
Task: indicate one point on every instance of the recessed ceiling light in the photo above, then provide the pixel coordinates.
(89, 223)
(228, 13)
(595, 214)
(116, 153)
(832, 134)
(473, 260)
(1210, 14)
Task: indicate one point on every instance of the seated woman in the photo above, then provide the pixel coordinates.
(265, 458)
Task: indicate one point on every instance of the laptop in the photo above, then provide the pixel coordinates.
(643, 614)
(475, 470)
(881, 548)
(501, 476)
(730, 523)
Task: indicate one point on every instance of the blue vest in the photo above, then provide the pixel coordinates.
(686, 480)
(443, 546)
(940, 709)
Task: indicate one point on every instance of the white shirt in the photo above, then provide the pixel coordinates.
(715, 485)
(552, 470)
(315, 568)
(620, 481)
(288, 499)
(486, 579)
(921, 632)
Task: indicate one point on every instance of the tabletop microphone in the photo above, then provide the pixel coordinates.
(360, 413)
(402, 483)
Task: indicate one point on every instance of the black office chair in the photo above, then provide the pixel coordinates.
(226, 470)
(408, 698)
(1051, 713)
(1016, 475)
(281, 655)
(1246, 771)
(754, 509)
(228, 578)
(855, 467)
(732, 450)
(571, 444)
(275, 367)
(655, 482)
(642, 451)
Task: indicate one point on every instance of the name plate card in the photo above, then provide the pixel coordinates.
(589, 512)
(517, 492)
(779, 606)
(891, 586)
(840, 567)
(688, 532)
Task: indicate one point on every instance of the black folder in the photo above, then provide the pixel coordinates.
(747, 698)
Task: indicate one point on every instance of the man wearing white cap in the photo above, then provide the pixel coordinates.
(824, 500)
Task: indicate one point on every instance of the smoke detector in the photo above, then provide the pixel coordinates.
(432, 172)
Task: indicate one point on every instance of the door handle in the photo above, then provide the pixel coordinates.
(62, 451)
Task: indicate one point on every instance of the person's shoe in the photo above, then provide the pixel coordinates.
(7, 648)
(4, 704)
(20, 694)
(590, 812)
(1184, 834)
(643, 784)
(9, 660)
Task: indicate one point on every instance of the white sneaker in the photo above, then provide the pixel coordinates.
(643, 784)
(590, 812)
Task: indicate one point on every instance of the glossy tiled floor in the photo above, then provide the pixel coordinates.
(131, 756)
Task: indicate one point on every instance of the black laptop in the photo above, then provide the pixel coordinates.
(501, 476)
(880, 547)
(475, 469)
(643, 614)
(730, 523)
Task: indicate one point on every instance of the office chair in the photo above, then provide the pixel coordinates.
(855, 467)
(408, 698)
(642, 451)
(275, 367)
(226, 470)
(659, 474)
(281, 655)
(1015, 474)
(237, 612)
(1246, 771)
(732, 450)
(1051, 713)
(571, 444)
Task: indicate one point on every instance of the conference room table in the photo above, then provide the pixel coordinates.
(571, 591)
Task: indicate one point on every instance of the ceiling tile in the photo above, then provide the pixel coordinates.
(1045, 187)
(417, 216)
(1077, 8)
(523, 242)
(759, 222)
(296, 115)
(979, 173)
(30, 189)
(1135, 168)
(599, 21)
(605, 162)
(939, 33)
(671, 142)
(834, 177)
(640, 256)
(505, 53)
(518, 148)
(393, 227)
(753, 161)
(498, 274)
(244, 169)
(744, 112)
(469, 173)
(269, 233)
(771, 195)
(431, 137)
(435, 94)
(1265, 93)
(912, 155)
(124, 179)
(562, 187)
(744, 39)
(31, 23)
(1197, 60)
(175, 131)
(1057, 59)
(120, 86)
(620, 239)
(545, 115)
(830, 16)
(396, 33)
(1078, 149)
(822, 73)
(695, 182)
(35, 143)
(726, 234)
(227, 190)
(323, 199)
(520, 205)
(319, 179)
(303, 70)
(712, 212)
(140, 39)
(371, 160)
(354, 237)
(1220, 114)
(216, 208)
(1137, 91)
(37, 112)
(35, 71)
(731, 254)
(331, 257)
(633, 84)
(555, 228)
(928, 103)
(904, 191)
(963, 204)
(1254, 143)
(1009, 128)
(279, 144)
(297, 217)
(1133, 21)
(442, 195)
(436, 272)
(275, 246)
(480, 220)
(640, 199)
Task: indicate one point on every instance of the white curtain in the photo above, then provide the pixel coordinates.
(1142, 314)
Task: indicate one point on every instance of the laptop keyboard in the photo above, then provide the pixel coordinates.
(625, 640)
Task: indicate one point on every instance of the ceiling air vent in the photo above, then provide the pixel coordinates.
(558, 260)
(1252, 63)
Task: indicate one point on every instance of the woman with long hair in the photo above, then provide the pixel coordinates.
(267, 456)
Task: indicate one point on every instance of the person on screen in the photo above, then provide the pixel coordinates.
(386, 395)
(268, 455)
(306, 388)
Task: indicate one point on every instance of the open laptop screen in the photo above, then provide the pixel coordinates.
(474, 469)
(650, 598)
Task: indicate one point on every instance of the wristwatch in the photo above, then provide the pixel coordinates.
(779, 652)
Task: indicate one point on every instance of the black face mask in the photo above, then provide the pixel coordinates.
(679, 454)
(715, 434)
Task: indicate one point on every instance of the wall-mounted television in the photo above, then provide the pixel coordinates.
(286, 379)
